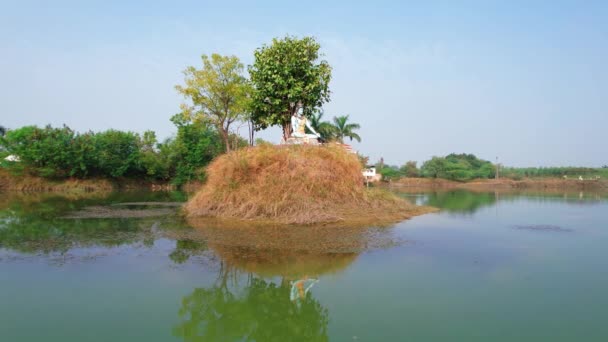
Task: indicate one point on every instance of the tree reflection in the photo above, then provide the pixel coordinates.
(461, 201)
(184, 249)
(33, 224)
(261, 311)
(467, 201)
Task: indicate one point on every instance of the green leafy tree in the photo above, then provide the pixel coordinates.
(343, 129)
(46, 152)
(390, 173)
(284, 73)
(218, 93)
(84, 156)
(410, 169)
(459, 167)
(434, 168)
(156, 159)
(118, 153)
(195, 145)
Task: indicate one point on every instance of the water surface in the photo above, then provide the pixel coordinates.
(489, 266)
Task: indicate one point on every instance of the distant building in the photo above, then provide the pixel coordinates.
(370, 175)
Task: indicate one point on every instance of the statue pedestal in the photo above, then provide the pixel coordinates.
(301, 141)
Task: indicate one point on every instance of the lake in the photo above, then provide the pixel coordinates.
(523, 266)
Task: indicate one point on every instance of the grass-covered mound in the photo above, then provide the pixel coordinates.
(294, 184)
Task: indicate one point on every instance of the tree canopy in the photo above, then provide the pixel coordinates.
(460, 167)
(284, 73)
(218, 93)
(344, 129)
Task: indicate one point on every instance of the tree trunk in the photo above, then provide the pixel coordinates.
(287, 123)
(226, 139)
(286, 130)
(251, 127)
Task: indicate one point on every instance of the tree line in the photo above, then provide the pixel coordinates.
(465, 167)
(60, 152)
(458, 167)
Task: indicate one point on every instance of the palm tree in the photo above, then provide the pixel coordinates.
(324, 128)
(345, 129)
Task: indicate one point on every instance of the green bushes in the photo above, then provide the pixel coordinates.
(194, 146)
(117, 154)
(48, 151)
(61, 153)
(458, 167)
(410, 169)
(390, 172)
(465, 167)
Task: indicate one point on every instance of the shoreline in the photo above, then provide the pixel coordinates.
(26, 183)
(499, 184)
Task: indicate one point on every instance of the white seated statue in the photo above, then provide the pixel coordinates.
(299, 123)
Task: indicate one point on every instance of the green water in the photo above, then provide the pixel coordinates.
(488, 267)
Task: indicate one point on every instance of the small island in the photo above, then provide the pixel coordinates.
(295, 184)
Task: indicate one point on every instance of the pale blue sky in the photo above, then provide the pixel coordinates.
(526, 81)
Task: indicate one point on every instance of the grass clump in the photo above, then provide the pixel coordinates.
(293, 184)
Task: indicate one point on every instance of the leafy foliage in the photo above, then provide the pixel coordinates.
(195, 145)
(218, 93)
(459, 167)
(410, 169)
(60, 152)
(283, 73)
(117, 154)
(390, 172)
(49, 152)
(343, 129)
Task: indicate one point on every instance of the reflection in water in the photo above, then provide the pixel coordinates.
(185, 249)
(292, 252)
(468, 202)
(291, 264)
(461, 201)
(265, 282)
(300, 288)
(263, 310)
(33, 224)
(260, 311)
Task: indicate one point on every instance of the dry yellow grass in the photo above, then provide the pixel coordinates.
(296, 185)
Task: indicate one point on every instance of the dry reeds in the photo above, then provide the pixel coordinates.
(292, 184)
